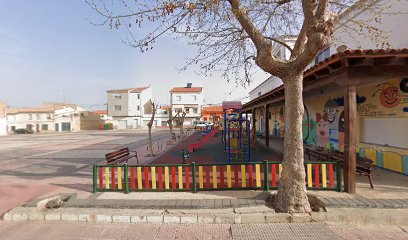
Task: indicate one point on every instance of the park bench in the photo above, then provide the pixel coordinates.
(317, 153)
(121, 156)
(364, 166)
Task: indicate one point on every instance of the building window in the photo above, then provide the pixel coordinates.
(37, 116)
(195, 97)
(30, 117)
(194, 110)
(138, 108)
(178, 110)
(178, 98)
(259, 94)
(117, 107)
(187, 110)
(138, 96)
(322, 56)
(117, 96)
(48, 116)
(44, 127)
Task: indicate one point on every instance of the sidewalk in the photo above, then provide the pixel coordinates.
(209, 208)
(146, 231)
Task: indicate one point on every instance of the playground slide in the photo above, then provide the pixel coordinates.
(205, 139)
(207, 131)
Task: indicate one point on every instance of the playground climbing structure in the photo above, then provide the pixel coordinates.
(236, 133)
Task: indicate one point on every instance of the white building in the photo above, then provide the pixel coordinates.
(35, 119)
(3, 121)
(269, 84)
(127, 106)
(392, 23)
(189, 100)
(160, 118)
(273, 82)
(58, 117)
(103, 114)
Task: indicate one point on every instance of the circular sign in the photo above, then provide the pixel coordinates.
(404, 85)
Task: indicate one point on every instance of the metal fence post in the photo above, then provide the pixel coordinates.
(94, 179)
(194, 178)
(126, 179)
(338, 174)
(266, 175)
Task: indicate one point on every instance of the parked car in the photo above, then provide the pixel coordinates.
(202, 124)
(23, 131)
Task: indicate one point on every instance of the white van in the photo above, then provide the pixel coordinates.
(202, 124)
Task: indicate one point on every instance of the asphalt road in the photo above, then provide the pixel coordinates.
(39, 165)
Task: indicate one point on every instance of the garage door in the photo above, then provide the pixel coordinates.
(66, 126)
(122, 124)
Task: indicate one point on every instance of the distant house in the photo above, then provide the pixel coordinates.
(189, 100)
(212, 113)
(127, 106)
(3, 120)
(103, 114)
(58, 117)
(160, 118)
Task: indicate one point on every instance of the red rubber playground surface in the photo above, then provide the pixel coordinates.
(211, 152)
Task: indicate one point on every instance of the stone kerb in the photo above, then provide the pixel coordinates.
(209, 216)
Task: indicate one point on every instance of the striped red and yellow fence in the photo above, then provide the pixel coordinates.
(195, 177)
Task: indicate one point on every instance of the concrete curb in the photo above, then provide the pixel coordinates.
(209, 216)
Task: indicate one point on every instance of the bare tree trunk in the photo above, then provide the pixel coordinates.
(291, 195)
(170, 122)
(149, 125)
(182, 124)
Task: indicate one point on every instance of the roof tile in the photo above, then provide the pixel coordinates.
(186, 89)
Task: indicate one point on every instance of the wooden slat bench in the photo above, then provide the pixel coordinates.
(364, 166)
(317, 153)
(121, 156)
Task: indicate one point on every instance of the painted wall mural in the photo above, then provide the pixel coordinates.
(389, 96)
(342, 130)
(324, 123)
(322, 129)
(388, 99)
(324, 120)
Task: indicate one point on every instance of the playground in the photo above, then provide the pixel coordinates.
(223, 157)
(211, 152)
(229, 142)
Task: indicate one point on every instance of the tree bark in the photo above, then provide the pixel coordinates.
(170, 122)
(291, 195)
(182, 124)
(149, 126)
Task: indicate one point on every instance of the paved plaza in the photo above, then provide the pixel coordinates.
(40, 165)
